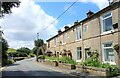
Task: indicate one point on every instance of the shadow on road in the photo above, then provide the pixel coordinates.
(13, 64)
(34, 74)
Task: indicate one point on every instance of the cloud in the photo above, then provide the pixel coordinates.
(100, 3)
(21, 26)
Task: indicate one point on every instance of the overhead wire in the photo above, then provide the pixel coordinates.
(59, 16)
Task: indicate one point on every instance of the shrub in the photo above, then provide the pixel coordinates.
(7, 62)
(93, 61)
(51, 58)
(41, 57)
(10, 61)
(68, 60)
(113, 70)
(31, 55)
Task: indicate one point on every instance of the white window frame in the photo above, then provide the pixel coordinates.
(55, 40)
(103, 53)
(78, 32)
(78, 60)
(105, 32)
(68, 34)
(85, 27)
(64, 39)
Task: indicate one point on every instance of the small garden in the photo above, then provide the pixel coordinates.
(93, 61)
(64, 61)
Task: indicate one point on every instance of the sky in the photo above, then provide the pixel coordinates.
(34, 16)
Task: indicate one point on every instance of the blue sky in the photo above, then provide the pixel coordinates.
(76, 12)
(21, 27)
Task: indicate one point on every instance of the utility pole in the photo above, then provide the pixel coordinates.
(37, 48)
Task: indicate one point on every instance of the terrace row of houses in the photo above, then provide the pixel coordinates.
(98, 32)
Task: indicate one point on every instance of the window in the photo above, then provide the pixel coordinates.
(68, 34)
(79, 53)
(78, 33)
(55, 41)
(64, 38)
(85, 28)
(49, 44)
(88, 52)
(107, 22)
(108, 52)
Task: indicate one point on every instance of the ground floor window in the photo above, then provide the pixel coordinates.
(87, 52)
(108, 52)
(79, 53)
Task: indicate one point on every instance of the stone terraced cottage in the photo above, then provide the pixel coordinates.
(99, 31)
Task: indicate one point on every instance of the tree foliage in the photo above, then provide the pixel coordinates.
(11, 50)
(39, 42)
(24, 50)
(4, 53)
(4, 48)
(34, 50)
(6, 7)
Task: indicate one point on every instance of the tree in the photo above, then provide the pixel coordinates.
(38, 43)
(34, 50)
(6, 7)
(24, 51)
(4, 53)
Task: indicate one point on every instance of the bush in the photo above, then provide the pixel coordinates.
(41, 57)
(68, 60)
(31, 55)
(10, 61)
(7, 62)
(51, 58)
(113, 70)
(93, 61)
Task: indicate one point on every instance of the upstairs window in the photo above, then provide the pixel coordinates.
(107, 22)
(78, 32)
(49, 44)
(64, 38)
(68, 34)
(85, 28)
(55, 41)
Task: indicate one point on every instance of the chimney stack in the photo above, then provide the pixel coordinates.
(76, 22)
(59, 31)
(66, 27)
(90, 13)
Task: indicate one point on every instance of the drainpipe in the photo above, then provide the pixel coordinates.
(82, 42)
(100, 39)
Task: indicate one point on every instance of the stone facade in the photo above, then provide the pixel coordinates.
(92, 36)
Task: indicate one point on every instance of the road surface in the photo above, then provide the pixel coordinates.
(29, 68)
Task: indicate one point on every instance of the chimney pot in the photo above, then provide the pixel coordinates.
(90, 13)
(75, 22)
(66, 27)
(59, 31)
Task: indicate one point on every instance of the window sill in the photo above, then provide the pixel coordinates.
(63, 43)
(79, 60)
(78, 40)
(107, 32)
(111, 63)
